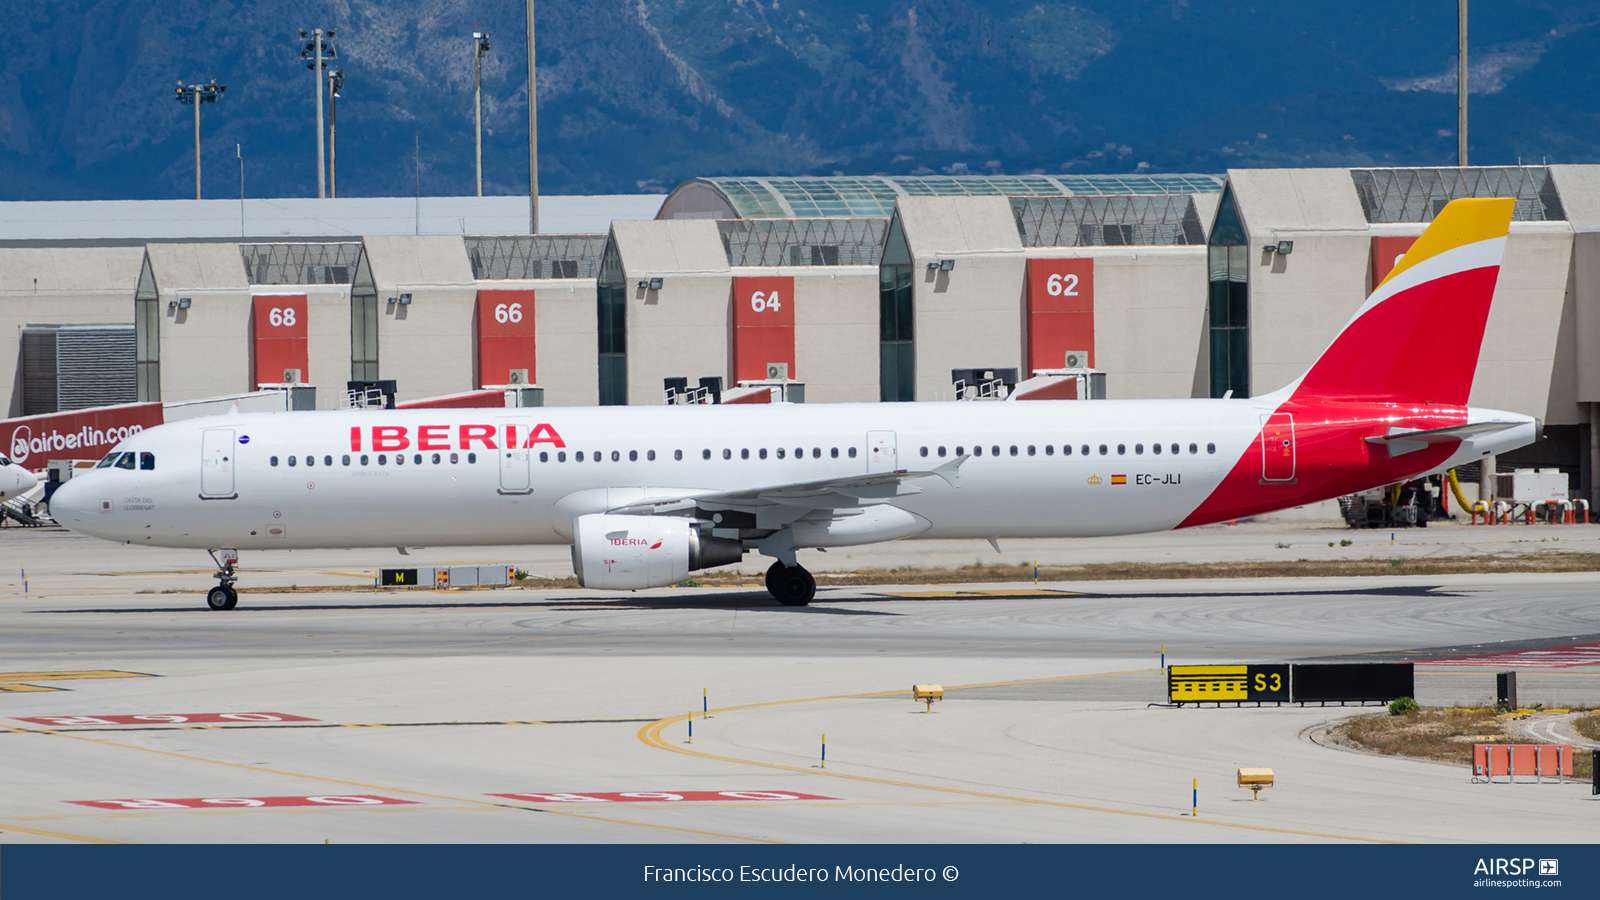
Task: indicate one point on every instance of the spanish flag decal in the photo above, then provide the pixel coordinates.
(1119, 479)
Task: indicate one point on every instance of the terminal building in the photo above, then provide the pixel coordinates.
(860, 288)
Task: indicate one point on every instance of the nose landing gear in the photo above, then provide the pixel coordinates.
(223, 596)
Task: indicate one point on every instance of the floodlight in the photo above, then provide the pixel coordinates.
(946, 265)
(656, 283)
(1285, 248)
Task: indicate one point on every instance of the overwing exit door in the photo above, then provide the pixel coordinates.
(881, 453)
(216, 464)
(1277, 447)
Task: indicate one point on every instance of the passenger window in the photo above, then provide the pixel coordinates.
(1103, 450)
(633, 456)
(1049, 449)
(399, 459)
(456, 458)
(677, 454)
(417, 459)
(577, 457)
(472, 457)
(705, 454)
(1211, 448)
(924, 451)
(147, 461)
(1085, 450)
(1156, 448)
(1031, 451)
(616, 456)
(960, 450)
(941, 452)
(1066, 449)
(382, 460)
(835, 452)
(762, 453)
(363, 459)
(327, 460)
(977, 451)
(1193, 448)
(799, 452)
(1013, 449)
(436, 459)
(543, 456)
(1174, 449)
(650, 455)
(311, 461)
(271, 461)
(852, 453)
(597, 456)
(560, 457)
(1122, 449)
(995, 450)
(346, 459)
(292, 460)
(726, 453)
(1138, 449)
(780, 452)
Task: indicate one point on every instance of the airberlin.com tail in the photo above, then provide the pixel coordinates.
(1387, 401)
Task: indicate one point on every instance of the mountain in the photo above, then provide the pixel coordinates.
(641, 94)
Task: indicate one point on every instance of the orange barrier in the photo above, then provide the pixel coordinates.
(1511, 760)
(1481, 507)
(1573, 512)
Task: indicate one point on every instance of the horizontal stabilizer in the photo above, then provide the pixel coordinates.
(1401, 441)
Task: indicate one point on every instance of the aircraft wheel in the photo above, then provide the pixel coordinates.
(794, 586)
(772, 577)
(222, 597)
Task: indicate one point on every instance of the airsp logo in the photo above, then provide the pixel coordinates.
(1549, 867)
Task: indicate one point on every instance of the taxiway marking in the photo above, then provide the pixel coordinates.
(651, 735)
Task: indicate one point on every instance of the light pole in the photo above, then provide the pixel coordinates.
(194, 95)
(480, 46)
(335, 85)
(533, 132)
(317, 52)
(1461, 82)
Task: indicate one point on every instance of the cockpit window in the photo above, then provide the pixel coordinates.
(125, 461)
(147, 461)
(4, 461)
(110, 460)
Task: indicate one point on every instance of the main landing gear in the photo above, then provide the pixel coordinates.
(791, 585)
(223, 596)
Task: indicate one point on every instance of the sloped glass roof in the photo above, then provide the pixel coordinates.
(874, 196)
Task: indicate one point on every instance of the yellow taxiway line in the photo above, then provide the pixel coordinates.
(651, 735)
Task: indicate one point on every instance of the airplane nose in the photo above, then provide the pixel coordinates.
(70, 504)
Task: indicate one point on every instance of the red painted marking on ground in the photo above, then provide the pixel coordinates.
(661, 796)
(245, 802)
(1545, 658)
(184, 719)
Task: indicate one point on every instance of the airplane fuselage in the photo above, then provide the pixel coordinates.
(521, 476)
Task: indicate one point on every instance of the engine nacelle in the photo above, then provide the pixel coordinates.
(631, 552)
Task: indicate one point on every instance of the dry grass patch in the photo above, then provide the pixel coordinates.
(1588, 726)
(1445, 735)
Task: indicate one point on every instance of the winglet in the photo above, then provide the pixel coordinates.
(951, 471)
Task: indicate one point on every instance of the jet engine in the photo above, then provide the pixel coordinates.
(630, 552)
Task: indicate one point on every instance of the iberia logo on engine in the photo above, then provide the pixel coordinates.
(635, 542)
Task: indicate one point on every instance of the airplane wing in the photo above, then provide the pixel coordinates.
(834, 493)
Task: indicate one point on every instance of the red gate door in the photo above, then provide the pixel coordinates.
(1277, 447)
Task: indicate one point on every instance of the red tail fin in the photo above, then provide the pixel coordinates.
(1417, 337)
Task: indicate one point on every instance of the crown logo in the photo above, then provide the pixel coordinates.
(1096, 479)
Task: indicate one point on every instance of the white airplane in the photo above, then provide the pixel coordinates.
(646, 494)
(14, 479)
